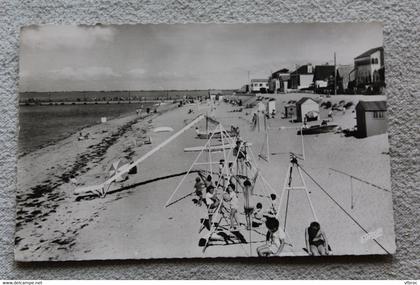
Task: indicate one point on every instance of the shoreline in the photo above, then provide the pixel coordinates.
(67, 135)
(40, 194)
(133, 223)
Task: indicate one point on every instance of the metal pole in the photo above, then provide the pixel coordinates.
(351, 192)
(268, 146)
(189, 170)
(303, 146)
(287, 208)
(335, 76)
(284, 189)
(250, 241)
(307, 194)
(156, 149)
(361, 180)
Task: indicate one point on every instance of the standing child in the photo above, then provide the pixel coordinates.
(212, 203)
(234, 207)
(248, 207)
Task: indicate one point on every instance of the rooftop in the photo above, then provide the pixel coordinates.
(303, 69)
(369, 52)
(304, 99)
(283, 70)
(259, 80)
(372, 105)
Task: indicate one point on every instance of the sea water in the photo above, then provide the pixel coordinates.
(40, 126)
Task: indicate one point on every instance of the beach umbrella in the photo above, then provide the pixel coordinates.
(116, 167)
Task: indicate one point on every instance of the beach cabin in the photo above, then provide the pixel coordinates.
(271, 106)
(290, 111)
(307, 107)
(371, 117)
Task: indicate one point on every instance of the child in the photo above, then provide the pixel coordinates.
(274, 241)
(199, 189)
(273, 211)
(212, 202)
(226, 200)
(258, 217)
(234, 206)
(248, 208)
(316, 240)
(209, 181)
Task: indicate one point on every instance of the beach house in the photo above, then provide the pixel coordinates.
(279, 81)
(323, 78)
(307, 108)
(259, 85)
(371, 117)
(302, 77)
(370, 67)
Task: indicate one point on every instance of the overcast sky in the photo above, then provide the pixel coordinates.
(181, 56)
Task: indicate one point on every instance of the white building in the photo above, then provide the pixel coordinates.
(259, 85)
(369, 66)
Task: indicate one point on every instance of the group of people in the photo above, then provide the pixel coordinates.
(315, 239)
(226, 202)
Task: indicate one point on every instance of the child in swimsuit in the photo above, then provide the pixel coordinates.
(274, 239)
(316, 240)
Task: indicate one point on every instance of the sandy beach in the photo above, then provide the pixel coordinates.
(131, 222)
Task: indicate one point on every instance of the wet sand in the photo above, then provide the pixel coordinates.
(132, 222)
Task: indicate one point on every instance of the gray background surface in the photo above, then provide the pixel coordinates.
(402, 50)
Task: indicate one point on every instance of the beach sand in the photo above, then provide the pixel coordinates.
(132, 222)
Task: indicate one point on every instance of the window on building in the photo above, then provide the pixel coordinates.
(260, 84)
(378, 114)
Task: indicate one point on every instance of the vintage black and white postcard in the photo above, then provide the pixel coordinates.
(202, 140)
